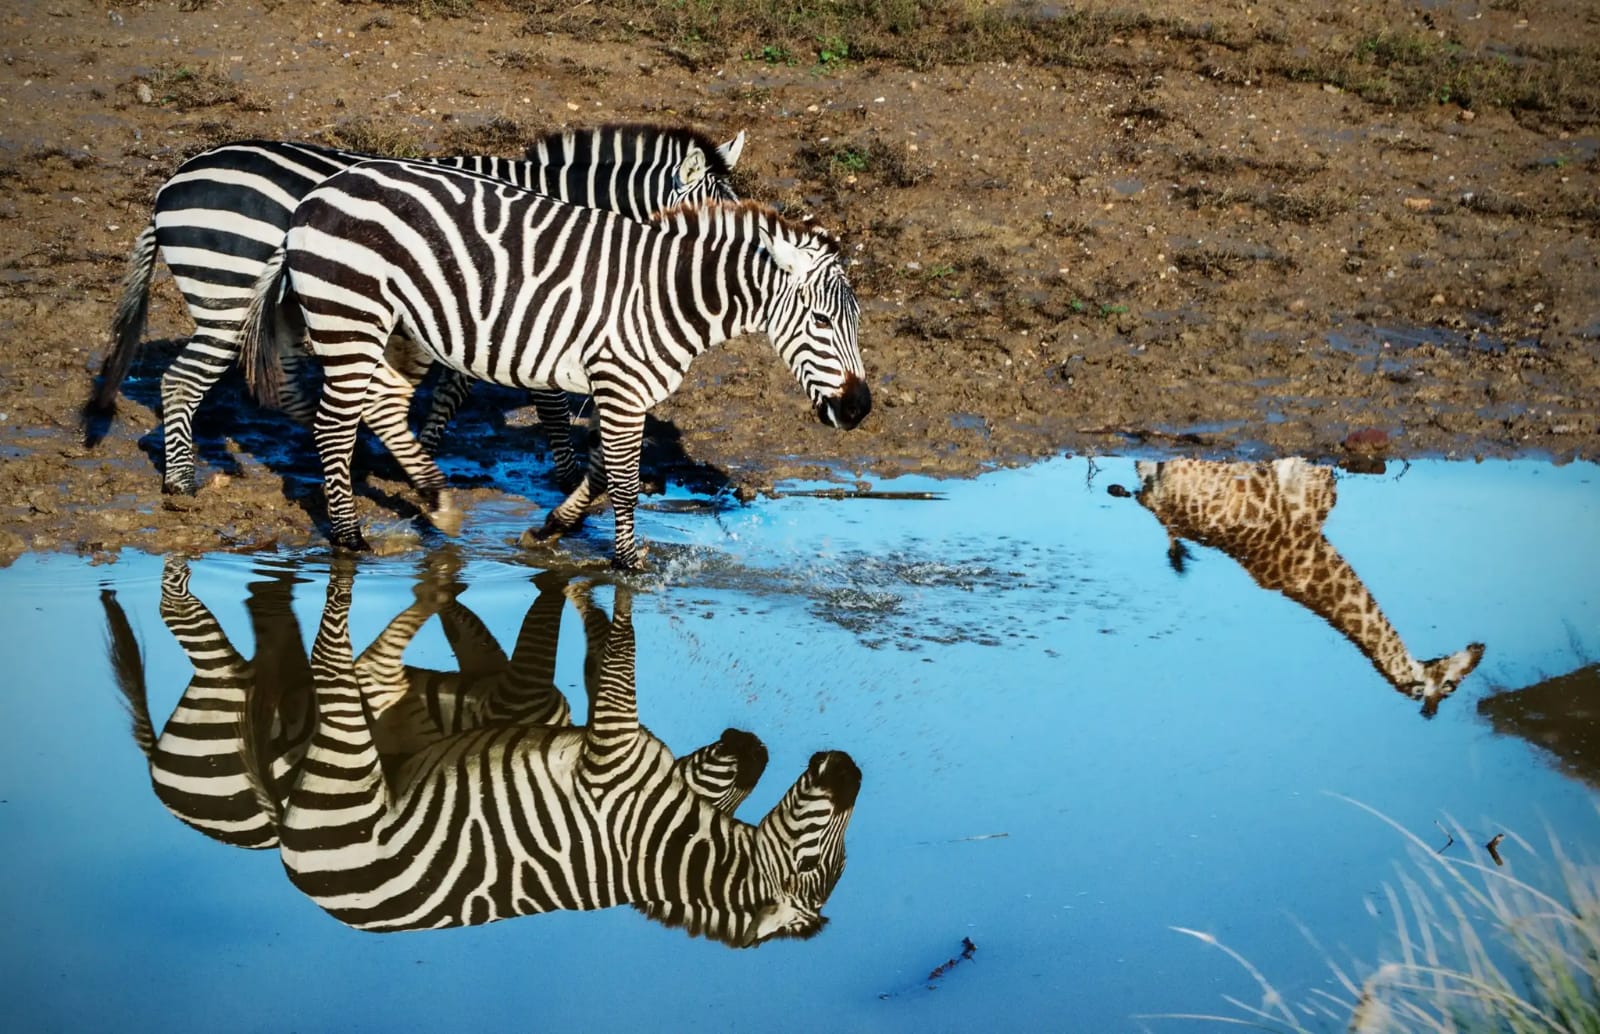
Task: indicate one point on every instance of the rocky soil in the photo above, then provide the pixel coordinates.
(1187, 238)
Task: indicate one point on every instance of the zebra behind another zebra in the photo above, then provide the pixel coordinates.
(221, 215)
(223, 761)
(508, 286)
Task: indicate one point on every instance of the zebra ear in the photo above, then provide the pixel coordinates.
(692, 169)
(731, 150)
(790, 258)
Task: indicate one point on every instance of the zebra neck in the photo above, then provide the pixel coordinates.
(722, 897)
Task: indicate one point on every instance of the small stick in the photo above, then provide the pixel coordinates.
(1493, 847)
(1449, 839)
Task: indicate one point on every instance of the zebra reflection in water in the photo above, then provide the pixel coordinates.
(417, 799)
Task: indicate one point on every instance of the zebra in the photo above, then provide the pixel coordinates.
(511, 287)
(512, 821)
(219, 217)
(203, 767)
(223, 762)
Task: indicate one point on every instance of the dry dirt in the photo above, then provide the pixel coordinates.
(1167, 248)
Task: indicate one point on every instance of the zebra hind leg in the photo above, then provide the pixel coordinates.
(344, 395)
(197, 368)
(387, 412)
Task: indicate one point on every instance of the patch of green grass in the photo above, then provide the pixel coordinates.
(1457, 920)
(186, 87)
(1383, 65)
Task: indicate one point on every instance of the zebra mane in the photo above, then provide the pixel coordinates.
(720, 925)
(695, 218)
(563, 141)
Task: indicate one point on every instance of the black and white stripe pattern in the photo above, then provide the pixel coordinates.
(240, 727)
(226, 757)
(509, 821)
(505, 285)
(223, 213)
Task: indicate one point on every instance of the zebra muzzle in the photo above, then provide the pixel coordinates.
(848, 408)
(837, 773)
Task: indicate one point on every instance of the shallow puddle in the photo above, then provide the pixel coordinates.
(1073, 736)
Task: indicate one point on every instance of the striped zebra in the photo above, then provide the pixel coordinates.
(510, 821)
(240, 726)
(225, 759)
(511, 287)
(221, 215)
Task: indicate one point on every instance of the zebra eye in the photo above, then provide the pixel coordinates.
(821, 322)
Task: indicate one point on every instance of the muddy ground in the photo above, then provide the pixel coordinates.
(1185, 238)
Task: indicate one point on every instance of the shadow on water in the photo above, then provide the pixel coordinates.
(1560, 716)
(1268, 517)
(482, 449)
(403, 798)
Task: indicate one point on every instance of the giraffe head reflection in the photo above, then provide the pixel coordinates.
(1269, 517)
(404, 798)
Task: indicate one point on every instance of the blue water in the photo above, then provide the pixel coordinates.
(1068, 749)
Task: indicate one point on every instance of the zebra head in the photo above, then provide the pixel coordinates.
(703, 175)
(800, 849)
(813, 320)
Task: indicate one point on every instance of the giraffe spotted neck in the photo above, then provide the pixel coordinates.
(1269, 517)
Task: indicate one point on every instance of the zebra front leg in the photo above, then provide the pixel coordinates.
(339, 796)
(621, 439)
(613, 743)
(528, 695)
(449, 391)
(555, 416)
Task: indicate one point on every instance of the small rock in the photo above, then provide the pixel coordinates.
(1419, 204)
(1467, 115)
(1437, 299)
(1368, 439)
(144, 93)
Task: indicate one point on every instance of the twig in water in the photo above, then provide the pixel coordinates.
(1493, 847)
(967, 948)
(1449, 839)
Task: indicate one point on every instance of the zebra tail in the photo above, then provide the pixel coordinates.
(127, 664)
(260, 336)
(127, 328)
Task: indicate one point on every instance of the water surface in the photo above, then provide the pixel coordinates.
(1068, 747)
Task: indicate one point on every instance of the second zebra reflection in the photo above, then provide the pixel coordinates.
(420, 799)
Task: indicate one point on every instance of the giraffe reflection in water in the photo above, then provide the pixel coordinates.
(405, 798)
(1269, 517)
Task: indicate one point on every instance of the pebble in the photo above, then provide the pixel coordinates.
(146, 96)
(1368, 439)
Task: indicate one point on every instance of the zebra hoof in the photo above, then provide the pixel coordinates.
(447, 518)
(533, 538)
(633, 562)
(351, 542)
(182, 486)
